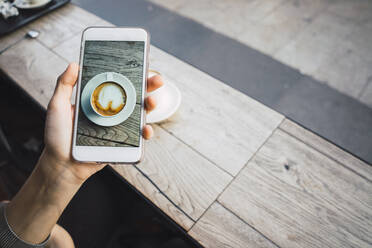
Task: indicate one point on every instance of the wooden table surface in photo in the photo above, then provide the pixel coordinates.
(242, 174)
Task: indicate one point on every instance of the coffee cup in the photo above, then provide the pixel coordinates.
(33, 2)
(109, 98)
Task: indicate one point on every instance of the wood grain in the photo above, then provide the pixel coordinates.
(191, 181)
(327, 148)
(57, 26)
(92, 141)
(135, 178)
(121, 57)
(12, 37)
(223, 124)
(63, 24)
(35, 69)
(219, 228)
(298, 197)
(69, 49)
(125, 134)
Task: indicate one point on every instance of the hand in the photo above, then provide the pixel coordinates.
(59, 125)
(35, 209)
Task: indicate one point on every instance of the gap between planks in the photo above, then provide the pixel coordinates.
(239, 218)
(199, 153)
(233, 178)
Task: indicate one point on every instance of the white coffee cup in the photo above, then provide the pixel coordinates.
(108, 99)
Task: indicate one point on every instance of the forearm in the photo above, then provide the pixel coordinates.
(35, 209)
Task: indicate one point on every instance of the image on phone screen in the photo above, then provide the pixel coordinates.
(111, 94)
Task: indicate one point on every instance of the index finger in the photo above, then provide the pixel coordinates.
(154, 83)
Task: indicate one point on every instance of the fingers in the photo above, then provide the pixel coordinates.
(147, 132)
(70, 75)
(66, 82)
(150, 104)
(154, 83)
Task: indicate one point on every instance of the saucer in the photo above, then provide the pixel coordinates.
(168, 99)
(20, 4)
(124, 114)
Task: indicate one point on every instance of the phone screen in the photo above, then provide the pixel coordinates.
(111, 94)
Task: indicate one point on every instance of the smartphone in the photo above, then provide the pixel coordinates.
(109, 113)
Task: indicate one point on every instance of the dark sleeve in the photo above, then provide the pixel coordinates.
(8, 239)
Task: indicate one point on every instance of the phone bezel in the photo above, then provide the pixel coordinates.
(101, 153)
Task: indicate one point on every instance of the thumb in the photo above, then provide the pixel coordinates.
(66, 82)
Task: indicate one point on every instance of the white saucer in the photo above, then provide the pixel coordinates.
(124, 82)
(168, 99)
(25, 5)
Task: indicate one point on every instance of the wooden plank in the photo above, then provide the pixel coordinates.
(327, 148)
(189, 180)
(223, 124)
(34, 68)
(219, 228)
(298, 197)
(57, 27)
(12, 37)
(63, 24)
(124, 58)
(135, 178)
(70, 49)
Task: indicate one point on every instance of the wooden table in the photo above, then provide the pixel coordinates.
(243, 174)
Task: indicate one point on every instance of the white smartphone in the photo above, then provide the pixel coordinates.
(109, 113)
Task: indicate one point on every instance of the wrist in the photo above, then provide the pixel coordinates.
(59, 171)
(35, 209)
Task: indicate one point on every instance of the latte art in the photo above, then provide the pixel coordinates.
(108, 99)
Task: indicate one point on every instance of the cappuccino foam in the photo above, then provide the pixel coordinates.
(109, 98)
